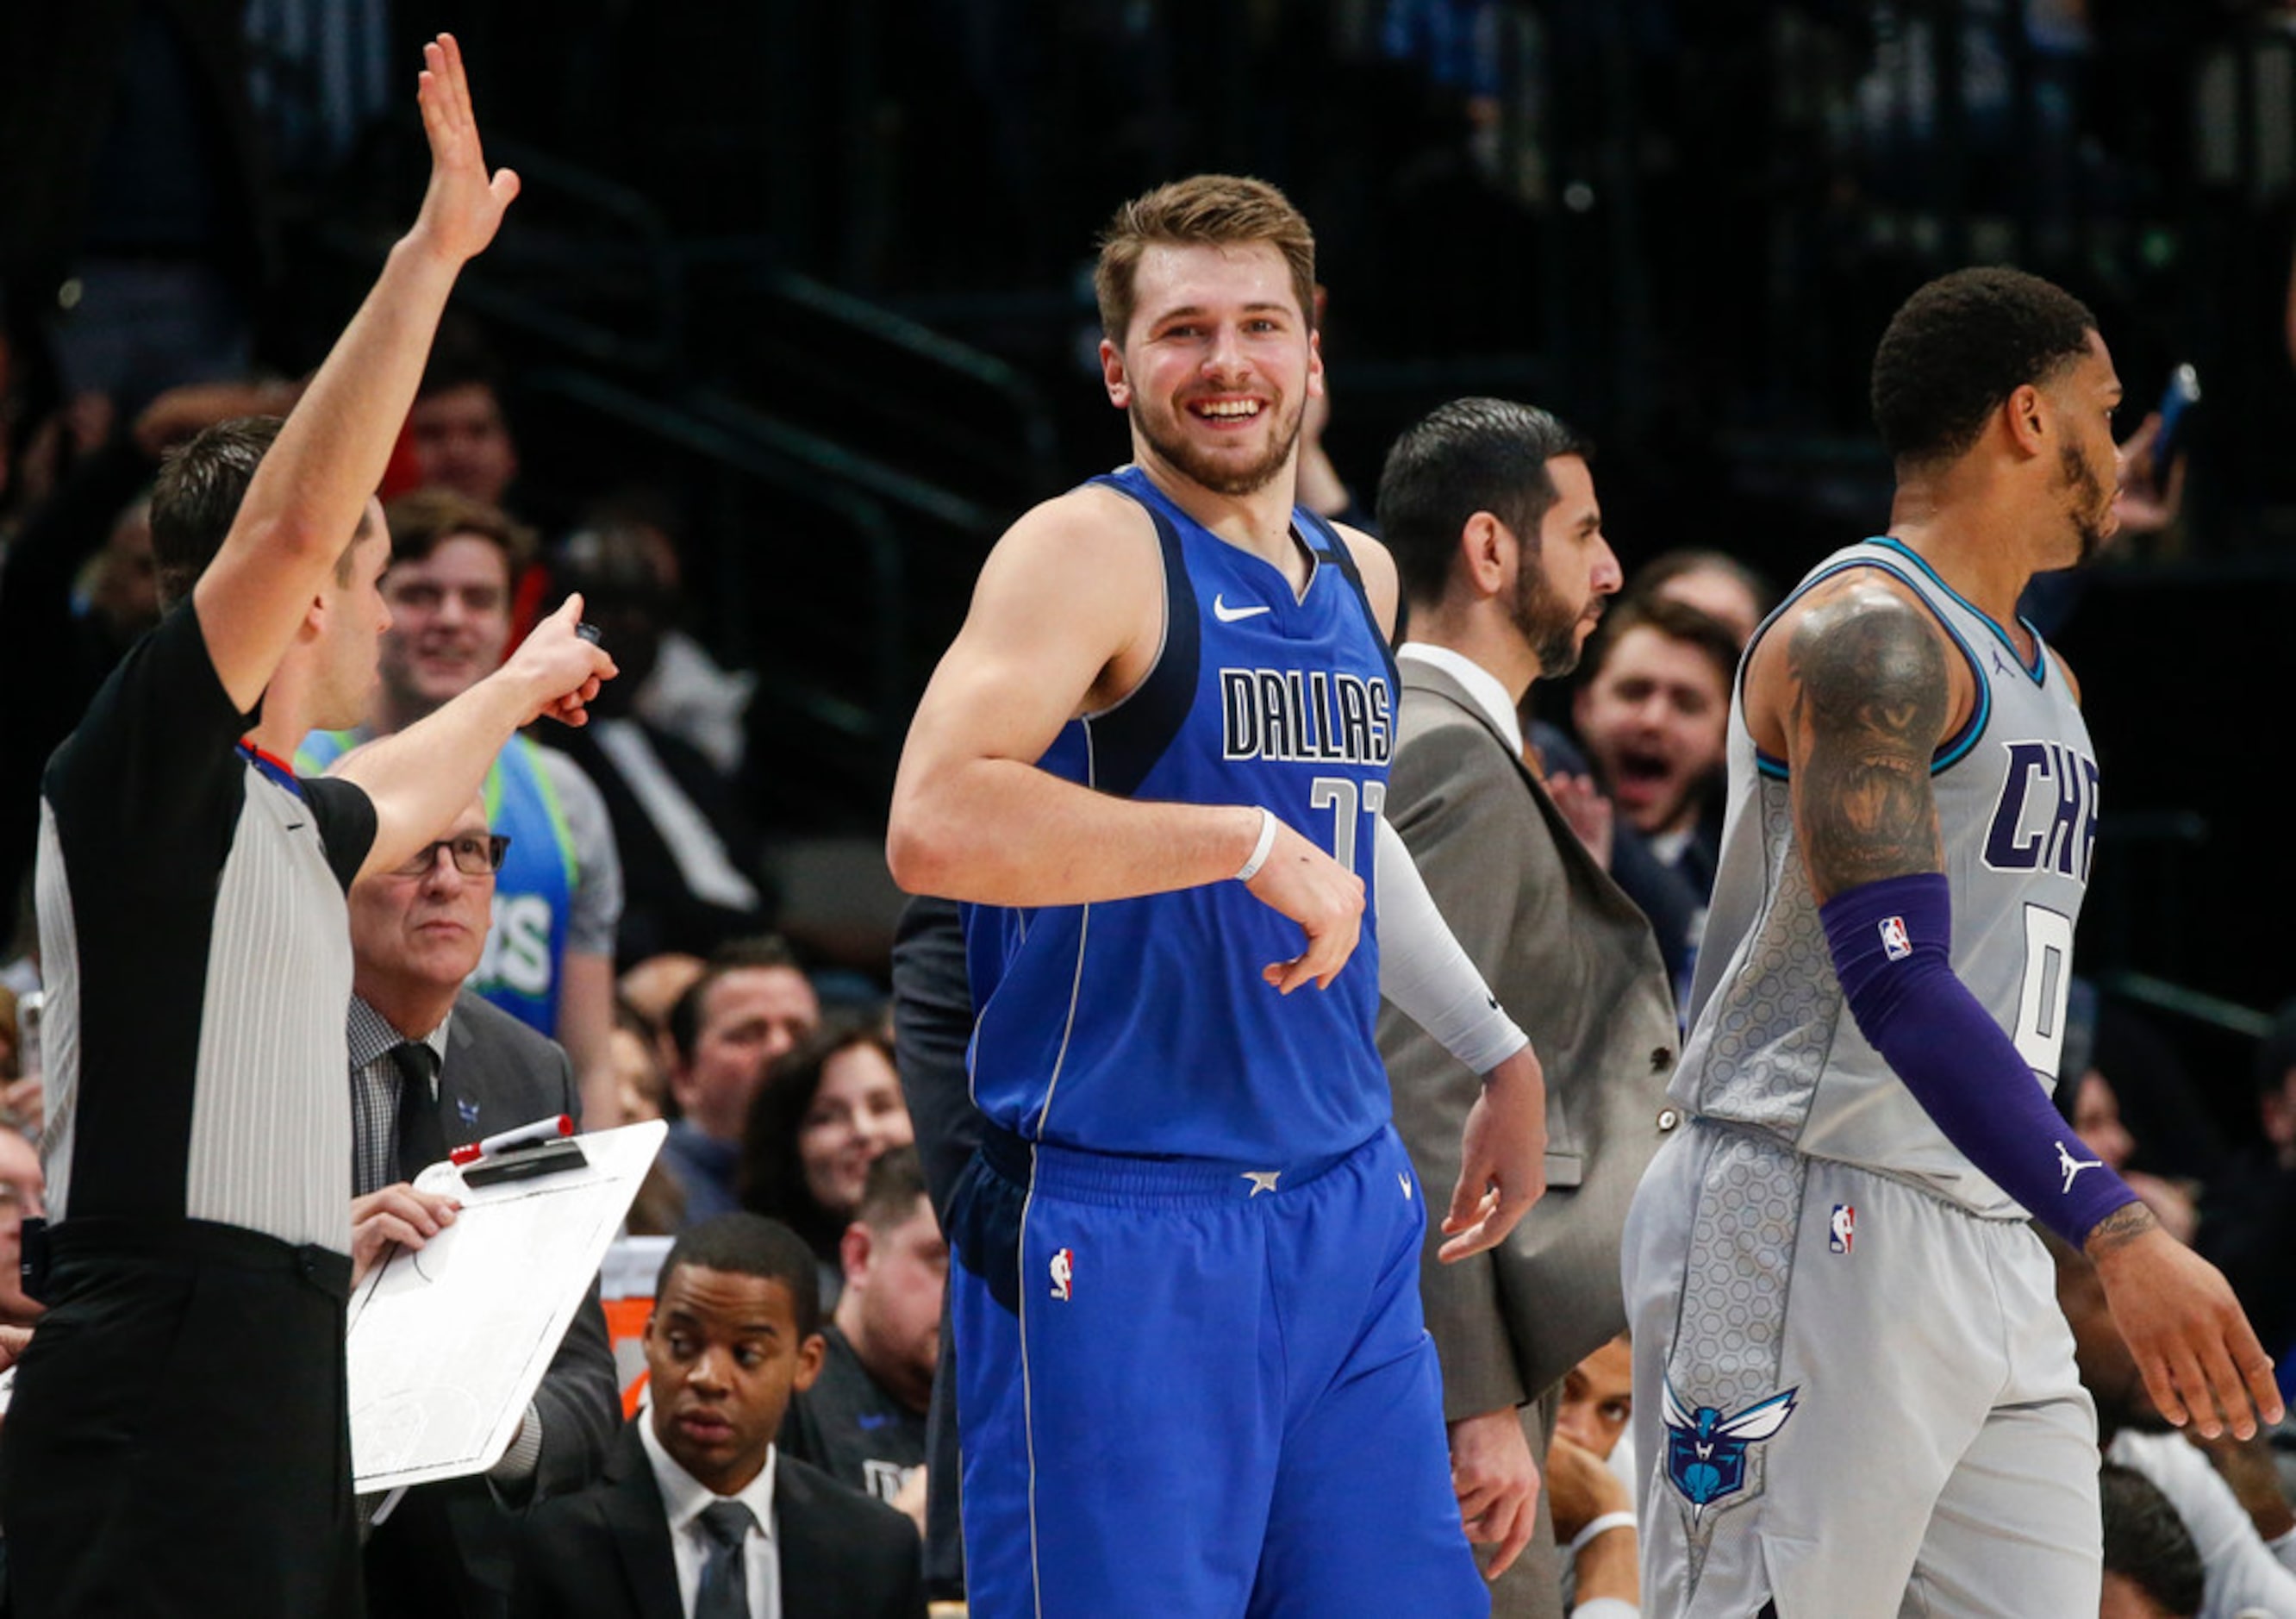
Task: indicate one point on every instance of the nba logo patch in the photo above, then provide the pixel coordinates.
(1841, 1232)
(1895, 943)
(1064, 1274)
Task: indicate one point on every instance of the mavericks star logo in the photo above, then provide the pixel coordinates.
(1706, 1451)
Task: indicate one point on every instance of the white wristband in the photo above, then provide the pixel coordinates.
(1250, 867)
(1601, 1526)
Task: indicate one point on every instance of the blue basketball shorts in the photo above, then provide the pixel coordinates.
(1201, 1389)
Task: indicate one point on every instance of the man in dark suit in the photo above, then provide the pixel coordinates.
(432, 1066)
(699, 1516)
(1490, 511)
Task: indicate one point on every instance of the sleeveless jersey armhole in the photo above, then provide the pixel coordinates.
(1949, 753)
(1131, 734)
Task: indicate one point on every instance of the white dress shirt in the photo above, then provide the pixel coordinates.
(1489, 691)
(683, 1497)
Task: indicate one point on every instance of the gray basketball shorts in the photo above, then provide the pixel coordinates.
(1852, 1398)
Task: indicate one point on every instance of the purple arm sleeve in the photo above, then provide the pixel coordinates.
(1891, 943)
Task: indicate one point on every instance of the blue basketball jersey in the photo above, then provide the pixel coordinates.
(1143, 1025)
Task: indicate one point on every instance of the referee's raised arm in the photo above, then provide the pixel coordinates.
(307, 499)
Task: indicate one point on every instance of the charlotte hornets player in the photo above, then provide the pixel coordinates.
(1854, 1393)
(1192, 1377)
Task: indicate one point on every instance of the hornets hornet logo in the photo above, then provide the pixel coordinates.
(1706, 1451)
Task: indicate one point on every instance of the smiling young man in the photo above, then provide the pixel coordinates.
(1854, 1391)
(699, 1515)
(1153, 764)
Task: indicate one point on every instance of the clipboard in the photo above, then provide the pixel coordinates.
(448, 1344)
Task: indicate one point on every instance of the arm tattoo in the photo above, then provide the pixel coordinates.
(2119, 1229)
(1869, 708)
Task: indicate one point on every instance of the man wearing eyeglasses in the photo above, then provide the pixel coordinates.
(433, 1065)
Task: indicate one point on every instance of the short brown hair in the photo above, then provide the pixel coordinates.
(197, 497)
(1676, 620)
(1206, 210)
(423, 520)
(758, 952)
(896, 1185)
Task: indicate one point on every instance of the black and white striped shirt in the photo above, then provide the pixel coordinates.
(197, 953)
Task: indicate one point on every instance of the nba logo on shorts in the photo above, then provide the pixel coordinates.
(1895, 943)
(1064, 1269)
(1841, 1232)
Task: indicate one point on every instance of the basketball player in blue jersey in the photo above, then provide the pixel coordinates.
(1855, 1394)
(1192, 1374)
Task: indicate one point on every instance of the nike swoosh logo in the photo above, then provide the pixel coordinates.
(1227, 614)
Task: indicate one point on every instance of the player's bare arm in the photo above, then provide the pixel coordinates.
(1066, 619)
(306, 500)
(2201, 1362)
(420, 778)
(1866, 697)
(1497, 1480)
(1503, 1158)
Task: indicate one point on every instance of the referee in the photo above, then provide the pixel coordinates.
(179, 1441)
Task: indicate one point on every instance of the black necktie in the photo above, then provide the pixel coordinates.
(421, 1142)
(724, 1593)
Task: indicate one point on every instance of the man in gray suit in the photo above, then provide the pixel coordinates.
(432, 1066)
(1490, 511)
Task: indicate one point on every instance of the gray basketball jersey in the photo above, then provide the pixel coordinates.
(1772, 1045)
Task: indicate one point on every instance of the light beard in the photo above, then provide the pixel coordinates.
(1233, 482)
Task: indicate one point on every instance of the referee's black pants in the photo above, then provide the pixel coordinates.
(179, 1441)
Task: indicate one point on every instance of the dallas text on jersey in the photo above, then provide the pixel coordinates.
(1305, 716)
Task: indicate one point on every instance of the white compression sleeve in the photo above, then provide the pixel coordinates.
(1422, 970)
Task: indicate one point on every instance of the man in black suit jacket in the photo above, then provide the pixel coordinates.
(416, 934)
(735, 1331)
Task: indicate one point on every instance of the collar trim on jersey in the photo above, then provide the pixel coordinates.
(277, 769)
(1954, 748)
(2037, 670)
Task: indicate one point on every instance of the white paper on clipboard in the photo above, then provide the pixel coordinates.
(447, 1345)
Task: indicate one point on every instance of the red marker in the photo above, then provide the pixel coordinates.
(510, 1141)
